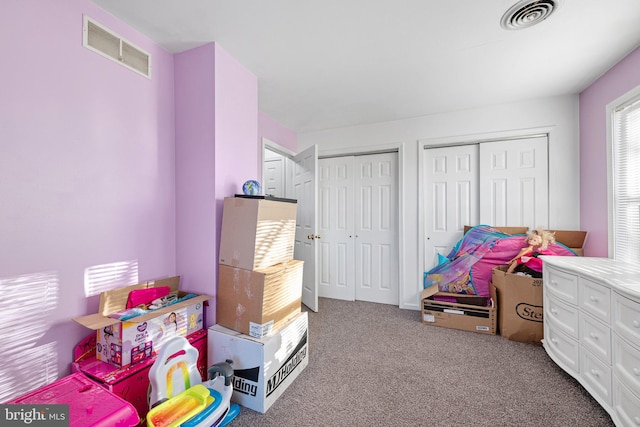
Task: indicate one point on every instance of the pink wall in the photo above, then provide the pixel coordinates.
(87, 163)
(620, 79)
(216, 132)
(195, 169)
(276, 132)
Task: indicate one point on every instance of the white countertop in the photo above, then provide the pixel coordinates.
(621, 276)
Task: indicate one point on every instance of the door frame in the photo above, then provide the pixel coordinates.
(377, 149)
(425, 143)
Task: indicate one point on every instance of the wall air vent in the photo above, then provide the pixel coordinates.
(110, 45)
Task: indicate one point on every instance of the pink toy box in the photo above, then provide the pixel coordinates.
(89, 404)
(130, 383)
(134, 340)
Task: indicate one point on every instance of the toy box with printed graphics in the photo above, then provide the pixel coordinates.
(122, 343)
(263, 367)
(257, 231)
(255, 302)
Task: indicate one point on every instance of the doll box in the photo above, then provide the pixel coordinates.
(89, 404)
(123, 343)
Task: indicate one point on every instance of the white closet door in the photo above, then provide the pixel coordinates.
(514, 180)
(450, 197)
(358, 209)
(376, 213)
(336, 272)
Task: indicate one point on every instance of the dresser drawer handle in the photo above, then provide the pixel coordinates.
(593, 335)
(636, 372)
(553, 340)
(595, 373)
(636, 324)
(554, 283)
(594, 299)
(554, 311)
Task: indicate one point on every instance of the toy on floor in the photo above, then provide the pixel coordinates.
(179, 397)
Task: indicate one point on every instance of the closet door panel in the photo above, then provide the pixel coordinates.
(336, 230)
(376, 252)
(514, 182)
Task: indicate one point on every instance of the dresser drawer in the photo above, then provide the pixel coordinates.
(596, 374)
(562, 349)
(595, 299)
(626, 404)
(561, 315)
(626, 363)
(596, 337)
(562, 285)
(626, 317)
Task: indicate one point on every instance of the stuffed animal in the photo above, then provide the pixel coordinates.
(527, 260)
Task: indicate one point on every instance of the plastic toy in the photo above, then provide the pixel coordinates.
(177, 394)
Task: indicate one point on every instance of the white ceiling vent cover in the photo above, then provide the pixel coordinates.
(527, 13)
(110, 45)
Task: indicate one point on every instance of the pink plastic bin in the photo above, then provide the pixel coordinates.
(89, 404)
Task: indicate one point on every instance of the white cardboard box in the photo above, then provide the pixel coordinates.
(263, 367)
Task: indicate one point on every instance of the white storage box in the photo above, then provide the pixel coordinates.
(263, 367)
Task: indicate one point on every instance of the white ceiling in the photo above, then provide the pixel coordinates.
(333, 63)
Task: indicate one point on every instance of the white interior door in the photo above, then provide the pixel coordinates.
(305, 191)
(514, 182)
(450, 198)
(376, 225)
(336, 269)
(274, 177)
(358, 207)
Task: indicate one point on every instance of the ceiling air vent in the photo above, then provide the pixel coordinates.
(110, 45)
(527, 13)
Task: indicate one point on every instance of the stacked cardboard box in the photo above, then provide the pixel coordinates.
(259, 282)
(259, 299)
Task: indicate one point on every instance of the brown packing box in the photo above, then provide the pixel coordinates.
(573, 239)
(520, 315)
(464, 315)
(257, 232)
(257, 302)
(136, 339)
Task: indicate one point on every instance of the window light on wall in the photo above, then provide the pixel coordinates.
(104, 277)
(26, 364)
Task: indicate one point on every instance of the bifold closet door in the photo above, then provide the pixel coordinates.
(359, 228)
(498, 183)
(514, 183)
(450, 197)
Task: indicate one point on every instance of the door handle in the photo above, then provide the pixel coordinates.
(311, 236)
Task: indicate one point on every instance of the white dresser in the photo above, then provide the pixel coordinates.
(592, 329)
